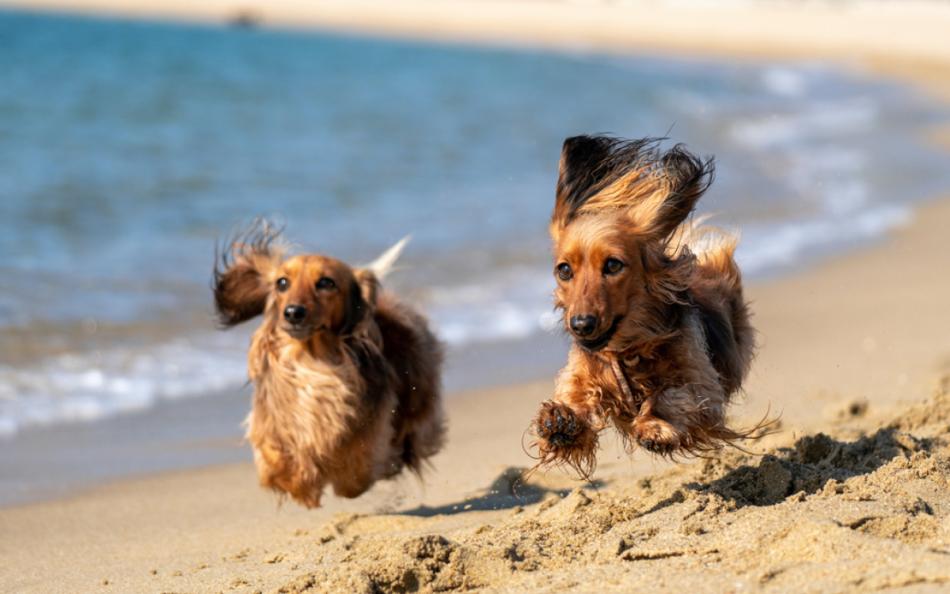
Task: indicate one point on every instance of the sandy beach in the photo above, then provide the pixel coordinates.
(851, 494)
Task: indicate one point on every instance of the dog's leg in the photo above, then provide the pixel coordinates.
(275, 471)
(689, 417)
(308, 493)
(686, 418)
(352, 486)
(568, 425)
(652, 432)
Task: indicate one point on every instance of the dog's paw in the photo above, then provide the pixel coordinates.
(558, 425)
(657, 436)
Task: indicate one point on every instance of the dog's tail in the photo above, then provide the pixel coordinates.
(383, 265)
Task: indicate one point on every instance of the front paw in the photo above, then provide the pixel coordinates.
(558, 425)
(564, 437)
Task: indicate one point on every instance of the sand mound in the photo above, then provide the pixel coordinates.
(828, 512)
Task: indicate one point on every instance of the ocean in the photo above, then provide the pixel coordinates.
(128, 148)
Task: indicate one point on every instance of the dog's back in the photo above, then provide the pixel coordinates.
(716, 291)
(416, 357)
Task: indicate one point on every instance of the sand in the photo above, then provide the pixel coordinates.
(852, 494)
(855, 509)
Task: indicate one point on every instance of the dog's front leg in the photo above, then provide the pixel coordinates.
(567, 426)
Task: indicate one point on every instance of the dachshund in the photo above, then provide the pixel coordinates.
(661, 333)
(346, 378)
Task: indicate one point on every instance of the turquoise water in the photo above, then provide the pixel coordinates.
(127, 148)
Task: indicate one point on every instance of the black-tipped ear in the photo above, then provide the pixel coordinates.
(591, 163)
(579, 170)
(689, 178)
(355, 310)
(240, 280)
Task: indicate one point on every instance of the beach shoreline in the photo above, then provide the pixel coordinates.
(824, 350)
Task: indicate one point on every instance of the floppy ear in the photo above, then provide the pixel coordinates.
(242, 273)
(360, 299)
(680, 179)
(579, 170)
(594, 170)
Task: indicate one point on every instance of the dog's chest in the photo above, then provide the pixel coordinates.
(643, 376)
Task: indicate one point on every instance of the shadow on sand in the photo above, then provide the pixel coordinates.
(807, 467)
(507, 491)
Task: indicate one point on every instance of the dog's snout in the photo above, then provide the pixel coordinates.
(583, 325)
(295, 313)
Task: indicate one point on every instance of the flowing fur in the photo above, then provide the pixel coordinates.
(353, 396)
(673, 340)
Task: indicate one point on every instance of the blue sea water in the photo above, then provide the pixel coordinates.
(127, 148)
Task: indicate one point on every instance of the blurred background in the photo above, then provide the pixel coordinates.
(129, 146)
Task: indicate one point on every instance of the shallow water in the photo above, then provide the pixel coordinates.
(126, 149)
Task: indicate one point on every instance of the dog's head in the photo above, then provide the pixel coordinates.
(317, 294)
(302, 296)
(618, 206)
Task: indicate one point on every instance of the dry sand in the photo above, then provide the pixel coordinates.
(852, 495)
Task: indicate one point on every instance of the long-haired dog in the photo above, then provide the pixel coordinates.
(347, 379)
(661, 332)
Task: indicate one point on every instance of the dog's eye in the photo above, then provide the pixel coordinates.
(326, 283)
(564, 271)
(612, 266)
(283, 284)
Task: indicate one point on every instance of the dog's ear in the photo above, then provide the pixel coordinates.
(599, 173)
(355, 309)
(679, 179)
(580, 169)
(242, 273)
(360, 299)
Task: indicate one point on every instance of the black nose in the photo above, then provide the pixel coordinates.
(583, 325)
(295, 313)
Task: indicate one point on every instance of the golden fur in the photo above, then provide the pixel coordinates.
(662, 337)
(346, 395)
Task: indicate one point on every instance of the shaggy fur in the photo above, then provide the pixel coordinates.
(667, 339)
(347, 390)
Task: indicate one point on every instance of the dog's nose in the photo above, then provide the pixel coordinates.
(583, 325)
(295, 313)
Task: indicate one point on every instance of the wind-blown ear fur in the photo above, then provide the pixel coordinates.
(242, 272)
(588, 165)
(682, 179)
(656, 191)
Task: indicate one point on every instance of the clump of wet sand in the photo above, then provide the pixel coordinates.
(851, 509)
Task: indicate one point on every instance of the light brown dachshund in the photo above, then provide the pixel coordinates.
(346, 378)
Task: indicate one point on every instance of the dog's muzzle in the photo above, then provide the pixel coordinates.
(595, 343)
